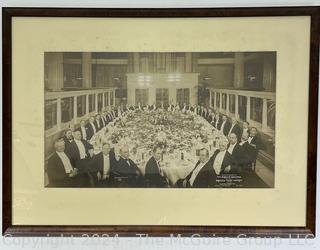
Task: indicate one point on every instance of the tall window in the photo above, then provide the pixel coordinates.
(142, 96)
(224, 101)
(243, 108)
(212, 99)
(81, 105)
(256, 109)
(162, 97)
(218, 100)
(92, 102)
(183, 96)
(50, 113)
(232, 103)
(106, 99)
(271, 119)
(100, 102)
(66, 109)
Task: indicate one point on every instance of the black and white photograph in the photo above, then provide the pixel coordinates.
(159, 119)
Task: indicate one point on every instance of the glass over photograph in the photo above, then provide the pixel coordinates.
(159, 119)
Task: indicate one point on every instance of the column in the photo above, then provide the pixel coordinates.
(59, 113)
(87, 104)
(103, 100)
(75, 110)
(54, 69)
(220, 100)
(238, 70)
(236, 109)
(215, 100)
(109, 94)
(96, 102)
(248, 109)
(114, 98)
(86, 70)
(210, 98)
(136, 62)
(227, 106)
(264, 114)
(188, 61)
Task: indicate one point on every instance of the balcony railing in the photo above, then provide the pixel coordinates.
(258, 108)
(65, 107)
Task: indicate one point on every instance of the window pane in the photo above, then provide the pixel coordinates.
(224, 101)
(100, 102)
(232, 103)
(92, 101)
(81, 105)
(218, 100)
(111, 98)
(212, 99)
(107, 99)
(50, 113)
(243, 108)
(256, 109)
(271, 114)
(183, 96)
(141, 97)
(66, 109)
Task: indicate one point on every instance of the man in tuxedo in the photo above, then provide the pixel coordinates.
(225, 125)
(80, 149)
(248, 150)
(221, 159)
(127, 172)
(67, 138)
(61, 172)
(153, 174)
(255, 141)
(98, 123)
(235, 128)
(83, 129)
(104, 163)
(91, 128)
(217, 121)
(245, 127)
(202, 176)
(238, 157)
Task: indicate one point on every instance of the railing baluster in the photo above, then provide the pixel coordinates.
(75, 109)
(59, 113)
(236, 106)
(264, 114)
(248, 109)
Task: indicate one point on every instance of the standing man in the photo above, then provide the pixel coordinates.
(235, 128)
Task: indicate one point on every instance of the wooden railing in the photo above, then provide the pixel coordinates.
(256, 107)
(91, 102)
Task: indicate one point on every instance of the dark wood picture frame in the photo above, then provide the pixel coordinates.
(152, 230)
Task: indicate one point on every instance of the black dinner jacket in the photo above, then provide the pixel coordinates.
(257, 142)
(226, 127)
(90, 131)
(219, 123)
(237, 130)
(57, 174)
(250, 153)
(100, 126)
(74, 151)
(153, 176)
(97, 162)
(86, 129)
(226, 160)
(238, 158)
(206, 177)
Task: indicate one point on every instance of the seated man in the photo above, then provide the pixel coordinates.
(255, 141)
(225, 125)
(98, 123)
(221, 161)
(127, 172)
(104, 163)
(83, 129)
(91, 128)
(153, 174)
(235, 128)
(67, 138)
(249, 152)
(237, 154)
(60, 171)
(202, 176)
(80, 149)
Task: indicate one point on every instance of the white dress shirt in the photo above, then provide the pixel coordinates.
(196, 172)
(222, 126)
(93, 127)
(231, 147)
(98, 123)
(65, 161)
(81, 148)
(84, 133)
(218, 162)
(250, 139)
(217, 122)
(106, 166)
(231, 129)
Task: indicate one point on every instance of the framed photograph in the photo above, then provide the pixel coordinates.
(160, 122)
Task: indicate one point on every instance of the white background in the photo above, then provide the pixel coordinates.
(157, 243)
